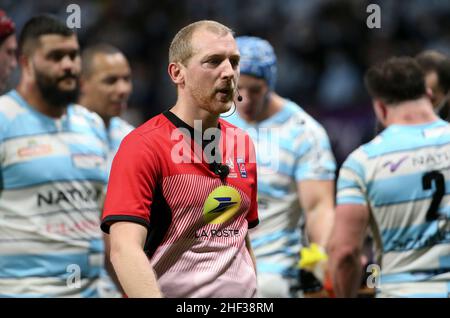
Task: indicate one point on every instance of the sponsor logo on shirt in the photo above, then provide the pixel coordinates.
(72, 228)
(33, 149)
(435, 159)
(394, 165)
(221, 205)
(71, 196)
(241, 166)
(87, 161)
(217, 233)
(230, 164)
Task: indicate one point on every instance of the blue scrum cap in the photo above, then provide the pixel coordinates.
(258, 59)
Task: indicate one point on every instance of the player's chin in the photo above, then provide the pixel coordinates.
(115, 108)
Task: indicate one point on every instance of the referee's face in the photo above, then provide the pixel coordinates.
(212, 71)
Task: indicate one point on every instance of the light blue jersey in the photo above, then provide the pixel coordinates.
(117, 130)
(403, 176)
(52, 174)
(291, 146)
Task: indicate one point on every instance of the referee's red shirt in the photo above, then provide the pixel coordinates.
(197, 220)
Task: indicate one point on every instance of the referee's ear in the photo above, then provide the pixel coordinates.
(176, 73)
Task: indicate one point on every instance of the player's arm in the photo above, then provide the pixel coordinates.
(317, 200)
(109, 266)
(315, 174)
(344, 248)
(130, 262)
(107, 255)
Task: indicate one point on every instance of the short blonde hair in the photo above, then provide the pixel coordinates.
(181, 47)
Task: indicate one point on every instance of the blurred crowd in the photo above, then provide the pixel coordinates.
(323, 47)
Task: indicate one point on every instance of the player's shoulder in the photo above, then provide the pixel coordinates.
(120, 124)
(153, 132)
(298, 117)
(359, 158)
(82, 114)
(10, 108)
(233, 130)
(407, 138)
(156, 125)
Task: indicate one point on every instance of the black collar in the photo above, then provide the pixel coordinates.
(174, 119)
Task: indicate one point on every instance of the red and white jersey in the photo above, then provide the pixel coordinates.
(197, 220)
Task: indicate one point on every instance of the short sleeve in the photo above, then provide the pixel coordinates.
(315, 160)
(351, 188)
(132, 183)
(3, 125)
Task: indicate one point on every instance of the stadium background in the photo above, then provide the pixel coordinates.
(323, 47)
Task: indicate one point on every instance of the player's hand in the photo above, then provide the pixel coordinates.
(314, 259)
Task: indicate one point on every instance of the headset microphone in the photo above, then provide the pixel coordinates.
(239, 97)
(220, 169)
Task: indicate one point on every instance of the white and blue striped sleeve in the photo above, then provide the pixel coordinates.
(315, 160)
(351, 188)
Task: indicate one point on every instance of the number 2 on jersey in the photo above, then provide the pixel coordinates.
(427, 180)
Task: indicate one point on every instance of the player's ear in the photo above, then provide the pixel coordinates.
(176, 73)
(25, 62)
(380, 110)
(430, 94)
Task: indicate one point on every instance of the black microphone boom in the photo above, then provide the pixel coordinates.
(239, 97)
(220, 169)
(223, 171)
